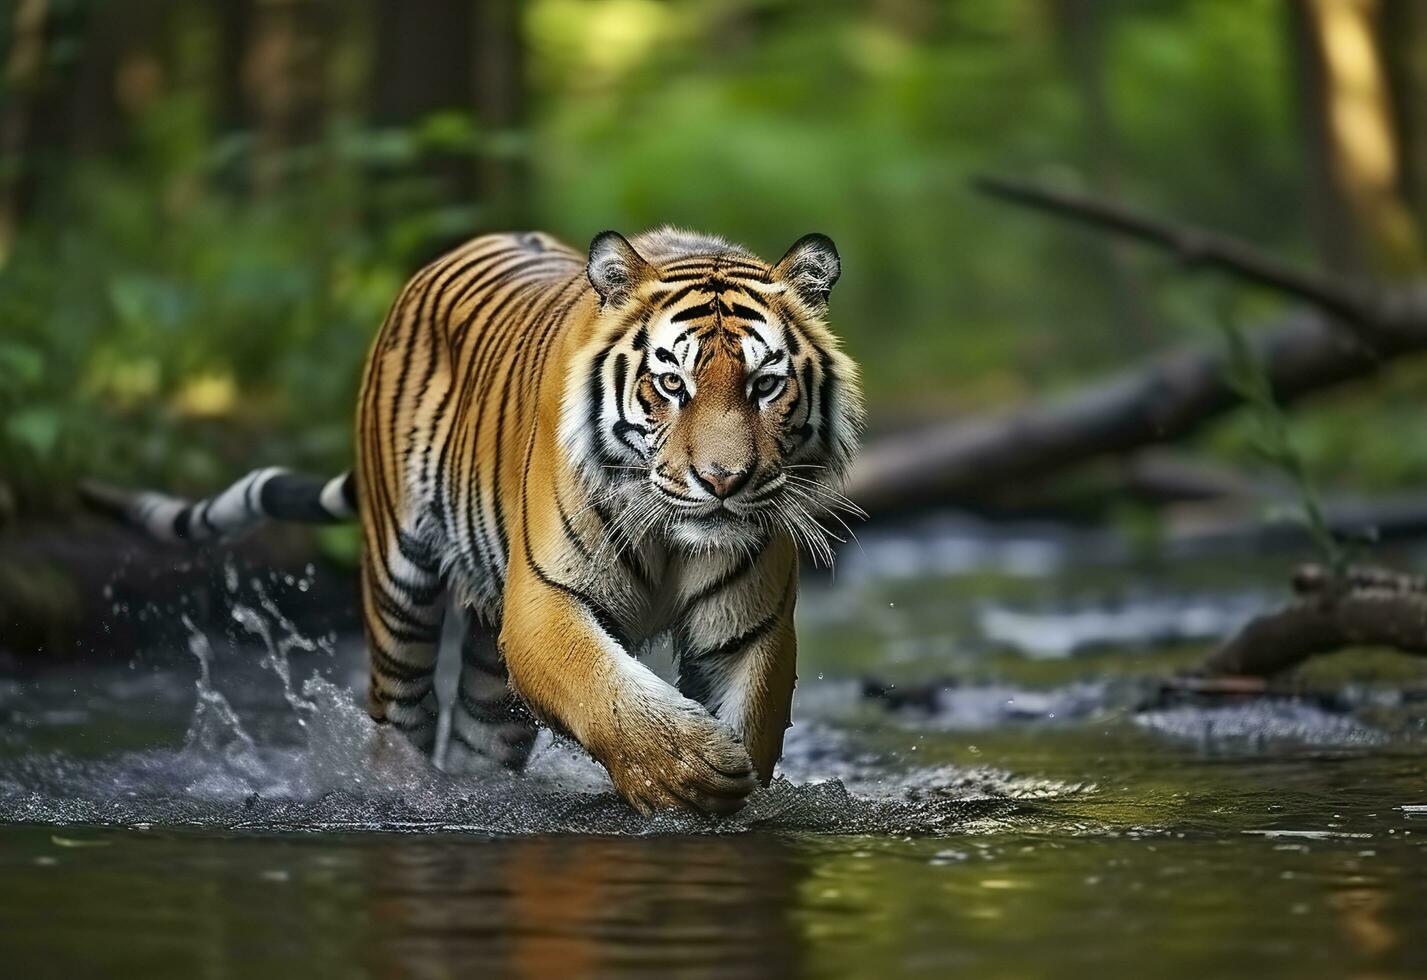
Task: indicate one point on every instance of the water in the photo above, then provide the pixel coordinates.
(1014, 802)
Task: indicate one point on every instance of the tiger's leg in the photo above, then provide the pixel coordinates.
(568, 663)
(490, 727)
(403, 605)
(738, 650)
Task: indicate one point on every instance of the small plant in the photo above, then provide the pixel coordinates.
(1272, 439)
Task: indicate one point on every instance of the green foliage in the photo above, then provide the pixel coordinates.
(163, 323)
(187, 303)
(763, 120)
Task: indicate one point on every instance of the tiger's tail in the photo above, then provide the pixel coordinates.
(271, 494)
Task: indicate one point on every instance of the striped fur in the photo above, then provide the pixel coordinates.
(587, 451)
(271, 494)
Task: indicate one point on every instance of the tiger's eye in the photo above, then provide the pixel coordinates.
(671, 384)
(766, 385)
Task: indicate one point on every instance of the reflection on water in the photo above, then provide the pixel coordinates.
(539, 906)
(227, 809)
(530, 906)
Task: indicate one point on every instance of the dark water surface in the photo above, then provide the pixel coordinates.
(1039, 810)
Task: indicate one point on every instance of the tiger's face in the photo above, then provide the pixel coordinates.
(715, 406)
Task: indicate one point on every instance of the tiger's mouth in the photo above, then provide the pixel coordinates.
(713, 524)
(712, 513)
(717, 530)
(719, 515)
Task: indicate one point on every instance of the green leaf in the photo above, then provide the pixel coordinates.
(38, 428)
(20, 364)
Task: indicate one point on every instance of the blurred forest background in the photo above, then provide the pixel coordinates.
(205, 208)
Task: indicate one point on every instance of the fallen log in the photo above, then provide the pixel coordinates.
(1363, 607)
(1348, 334)
(1168, 399)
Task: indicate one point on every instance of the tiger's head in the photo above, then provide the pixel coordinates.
(713, 404)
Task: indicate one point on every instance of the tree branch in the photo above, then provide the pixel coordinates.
(1160, 401)
(1195, 246)
(1366, 607)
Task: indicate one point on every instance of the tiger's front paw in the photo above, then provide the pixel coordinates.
(681, 759)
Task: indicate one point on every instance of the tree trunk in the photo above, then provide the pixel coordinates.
(284, 81)
(500, 110)
(1403, 37)
(422, 59)
(1353, 140)
(24, 67)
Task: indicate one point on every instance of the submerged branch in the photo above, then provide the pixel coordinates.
(1364, 607)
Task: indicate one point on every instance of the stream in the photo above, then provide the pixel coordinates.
(985, 774)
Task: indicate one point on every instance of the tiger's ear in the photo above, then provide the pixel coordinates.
(614, 268)
(810, 268)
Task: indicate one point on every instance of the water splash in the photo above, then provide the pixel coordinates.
(337, 771)
(215, 732)
(278, 656)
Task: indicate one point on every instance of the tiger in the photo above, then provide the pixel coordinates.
(582, 453)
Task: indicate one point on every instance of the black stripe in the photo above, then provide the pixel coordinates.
(825, 396)
(405, 590)
(416, 551)
(621, 373)
(414, 725)
(290, 497)
(693, 313)
(447, 270)
(722, 582)
(535, 315)
(736, 644)
(805, 391)
(500, 328)
(675, 297)
(491, 668)
(202, 513)
(391, 606)
(569, 526)
(599, 613)
(407, 700)
(388, 666)
(492, 712)
(461, 520)
(404, 634)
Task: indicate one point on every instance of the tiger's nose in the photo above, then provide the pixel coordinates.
(720, 481)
